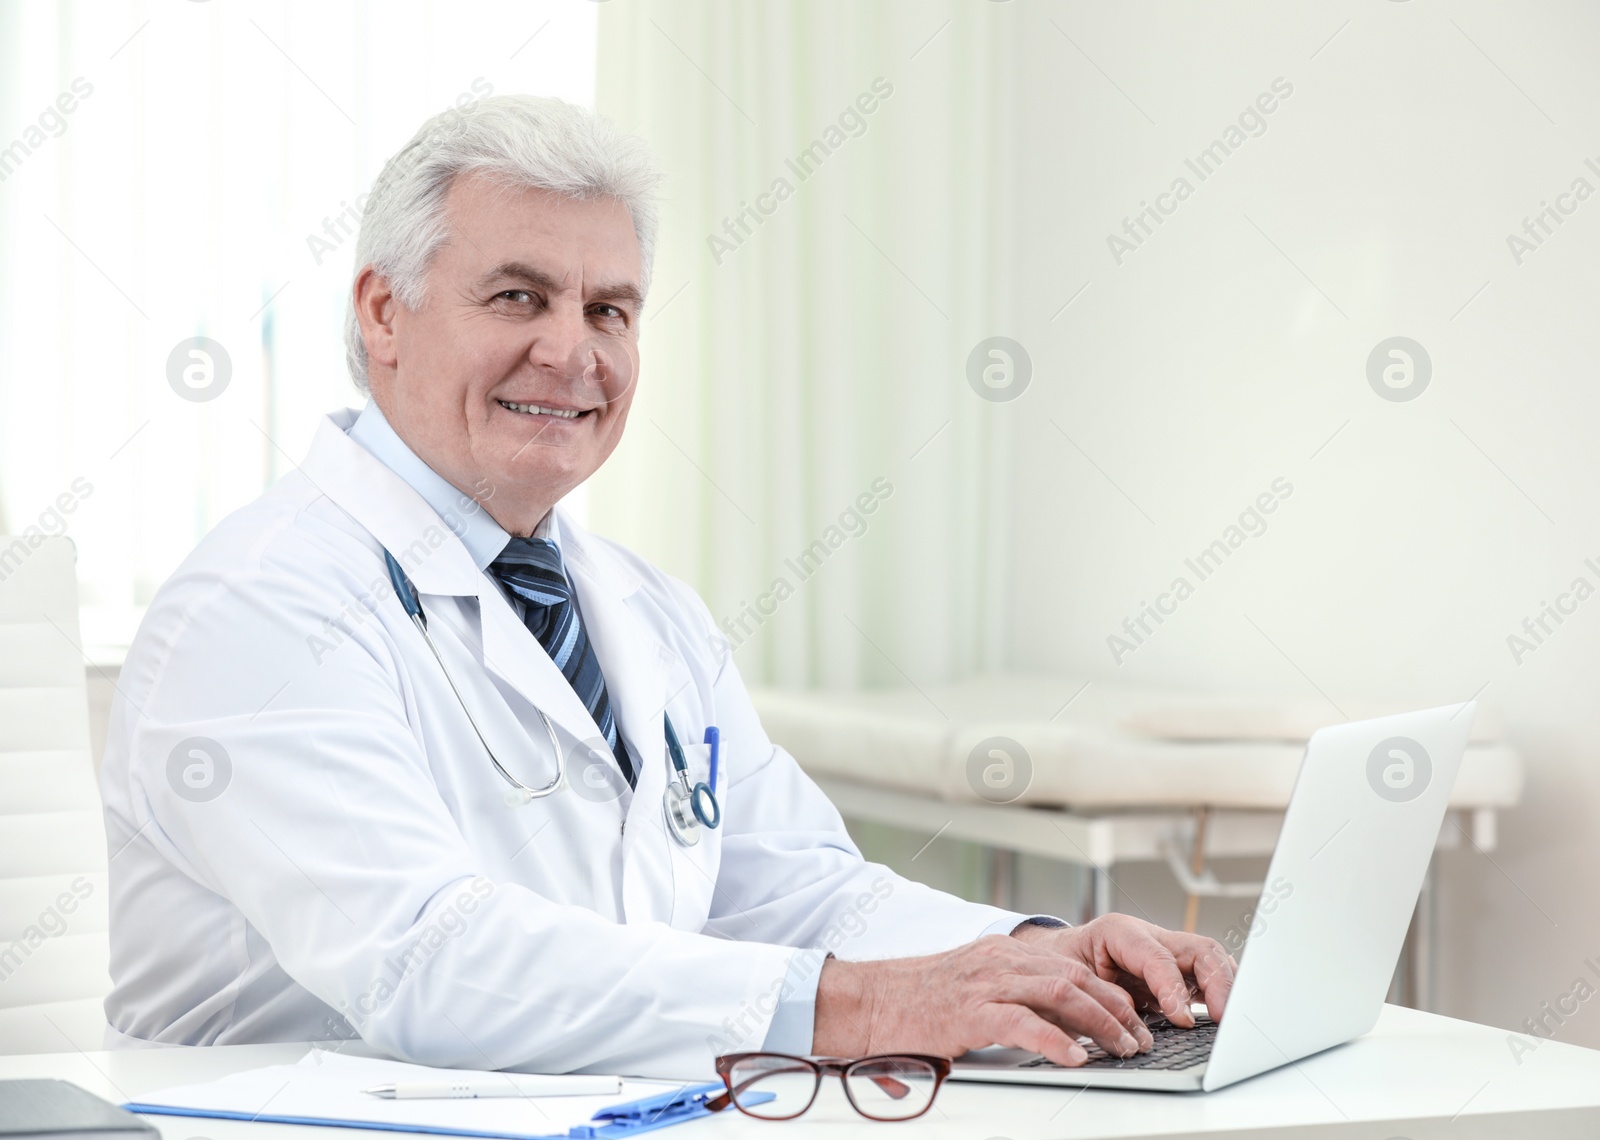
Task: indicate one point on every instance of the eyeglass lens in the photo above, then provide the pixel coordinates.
(883, 1088)
(891, 1088)
(773, 1088)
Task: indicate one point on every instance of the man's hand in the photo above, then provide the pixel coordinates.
(1036, 991)
(1163, 970)
(997, 990)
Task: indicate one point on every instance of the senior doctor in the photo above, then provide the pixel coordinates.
(316, 818)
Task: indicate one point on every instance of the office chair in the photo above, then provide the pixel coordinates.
(53, 906)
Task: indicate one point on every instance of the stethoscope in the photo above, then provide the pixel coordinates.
(685, 807)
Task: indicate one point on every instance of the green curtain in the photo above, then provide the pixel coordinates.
(832, 250)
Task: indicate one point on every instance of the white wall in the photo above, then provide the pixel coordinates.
(1227, 351)
(1228, 348)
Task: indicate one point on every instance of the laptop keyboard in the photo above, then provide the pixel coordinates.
(1174, 1048)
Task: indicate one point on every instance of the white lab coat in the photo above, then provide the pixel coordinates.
(355, 864)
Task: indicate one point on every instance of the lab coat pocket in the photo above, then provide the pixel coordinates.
(699, 759)
(695, 868)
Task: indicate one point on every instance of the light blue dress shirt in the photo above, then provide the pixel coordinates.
(481, 535)
(794, 1021)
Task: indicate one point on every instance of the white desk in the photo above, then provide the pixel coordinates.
(1417, 1076)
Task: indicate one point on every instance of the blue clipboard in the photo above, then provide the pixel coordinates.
(650, 1113)
(660, 1111)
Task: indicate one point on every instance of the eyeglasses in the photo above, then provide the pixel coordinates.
(775, 1086)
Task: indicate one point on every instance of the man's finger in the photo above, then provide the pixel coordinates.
(1138, 951)
(1143, 1000)
(1018, 1027)
(1212, 967)
(1120, 1003)
(1108, 993)
(1075, 1010)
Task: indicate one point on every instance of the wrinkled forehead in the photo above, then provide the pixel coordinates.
(495, 230)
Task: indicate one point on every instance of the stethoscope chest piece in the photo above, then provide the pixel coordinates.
(678, 808)
(689, 808)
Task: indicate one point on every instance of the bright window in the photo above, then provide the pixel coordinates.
(171, 171)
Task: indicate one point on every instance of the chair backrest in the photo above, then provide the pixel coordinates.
(54, 947)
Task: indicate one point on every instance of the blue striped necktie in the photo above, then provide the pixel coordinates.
(531, 569)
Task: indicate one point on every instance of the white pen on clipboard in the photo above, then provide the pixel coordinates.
(504, 1085)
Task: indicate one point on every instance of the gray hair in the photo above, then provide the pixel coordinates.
(519, 140)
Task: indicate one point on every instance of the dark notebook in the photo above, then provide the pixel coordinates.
(56, 1110)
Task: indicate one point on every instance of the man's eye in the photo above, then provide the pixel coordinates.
(520, 296)
(609, 312)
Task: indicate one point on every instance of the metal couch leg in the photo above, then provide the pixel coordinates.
(1101, 903)
(1424, 943)
(1002, 878)
(1416, 974)
(1197, 866)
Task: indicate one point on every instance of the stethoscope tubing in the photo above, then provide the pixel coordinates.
(701, 797)
(521, 792)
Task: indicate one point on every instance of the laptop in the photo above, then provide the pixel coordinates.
(1328, 928)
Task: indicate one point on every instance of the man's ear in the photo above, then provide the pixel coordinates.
(375, 305)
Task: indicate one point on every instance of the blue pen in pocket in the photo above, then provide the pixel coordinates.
(713, 738)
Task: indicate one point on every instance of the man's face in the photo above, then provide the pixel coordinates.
(514, 378)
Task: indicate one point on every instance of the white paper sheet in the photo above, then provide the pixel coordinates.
(325, 1085)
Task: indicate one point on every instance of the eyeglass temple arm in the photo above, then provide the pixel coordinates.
(897, 1089)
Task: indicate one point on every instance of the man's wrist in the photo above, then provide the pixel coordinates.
(843, 1009)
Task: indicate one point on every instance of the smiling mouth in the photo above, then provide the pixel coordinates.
(541, 410)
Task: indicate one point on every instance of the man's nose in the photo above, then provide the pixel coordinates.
(555, 347)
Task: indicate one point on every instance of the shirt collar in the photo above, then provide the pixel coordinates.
(481, 535)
